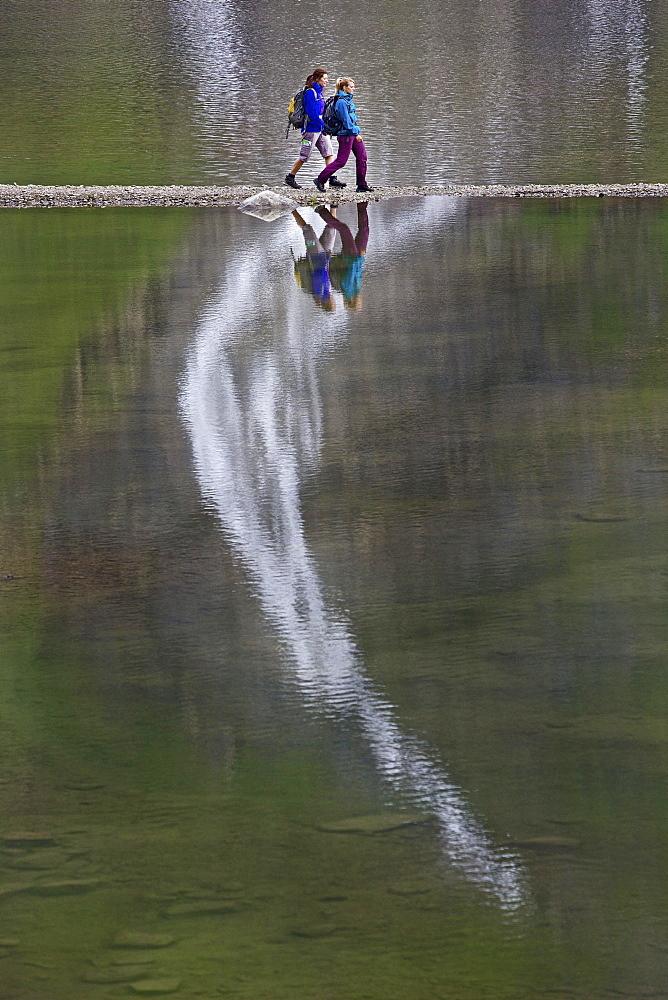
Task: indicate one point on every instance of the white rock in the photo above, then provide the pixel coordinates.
(268, 205)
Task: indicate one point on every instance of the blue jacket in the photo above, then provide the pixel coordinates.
(351, 282)
(347, 112)
(314, 105)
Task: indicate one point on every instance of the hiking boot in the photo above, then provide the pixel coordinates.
(291, 181)
(364, 187)
(319, 184)
(334, 182)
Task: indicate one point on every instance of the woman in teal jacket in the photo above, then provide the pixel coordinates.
(350, 140)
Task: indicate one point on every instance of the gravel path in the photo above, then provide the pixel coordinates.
(72, 196)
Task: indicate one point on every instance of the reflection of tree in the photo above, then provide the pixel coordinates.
(456, 438)
(209, 33)
(254, 415)
(619, 32)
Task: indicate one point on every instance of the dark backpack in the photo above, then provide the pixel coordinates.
(296, 113)
(330, 116)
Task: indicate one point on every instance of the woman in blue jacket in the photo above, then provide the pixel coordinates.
(349, 138)
(312, 130)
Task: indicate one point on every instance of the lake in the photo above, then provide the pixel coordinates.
(333, 616)
(196, 91)
(332, 585)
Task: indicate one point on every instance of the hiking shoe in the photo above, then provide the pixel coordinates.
(291, 181)
(334, 182)
(319, 184)
(364, 187)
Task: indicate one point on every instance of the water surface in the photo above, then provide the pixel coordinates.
(276, 560)
(195, 91)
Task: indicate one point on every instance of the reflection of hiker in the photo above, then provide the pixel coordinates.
(349, 138)
(345, 268)
(312, 129)
(312, 271)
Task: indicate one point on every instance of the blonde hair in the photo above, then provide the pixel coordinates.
(344, 81)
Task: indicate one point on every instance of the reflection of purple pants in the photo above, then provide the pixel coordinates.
(348, 144)
(351, 247)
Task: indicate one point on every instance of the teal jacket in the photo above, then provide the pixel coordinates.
(347, 112)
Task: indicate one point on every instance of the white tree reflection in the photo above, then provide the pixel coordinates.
(252, 405)
(209, 35)
(619, 32)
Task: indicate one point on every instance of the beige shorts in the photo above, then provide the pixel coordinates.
(311, 139)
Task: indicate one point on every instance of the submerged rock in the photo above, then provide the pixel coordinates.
(409, 888)
(316, 930)
(142, 939)
(203, 908)
(133, 958)
(64, 887)
(20, 838)
(83, 786)
(114, 974)
(216, 891)
(216, 894)
(601, 517)
(376, 823)
(40, 860)
(15, 888)
(231, 887)
(155, 987)
(545, 843)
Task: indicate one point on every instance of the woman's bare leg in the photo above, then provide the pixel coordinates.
(298, 164)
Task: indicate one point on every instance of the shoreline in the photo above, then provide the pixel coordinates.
(178, 195)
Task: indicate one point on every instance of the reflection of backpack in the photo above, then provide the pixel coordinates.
(330, 116)
(296, 113)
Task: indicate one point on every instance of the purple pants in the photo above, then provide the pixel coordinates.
(347, 144)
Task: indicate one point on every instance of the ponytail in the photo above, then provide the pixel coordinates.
(317, 74)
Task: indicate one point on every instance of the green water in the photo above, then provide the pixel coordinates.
(267, 567)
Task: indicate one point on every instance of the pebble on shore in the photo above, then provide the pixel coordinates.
(175, 195)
